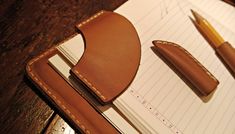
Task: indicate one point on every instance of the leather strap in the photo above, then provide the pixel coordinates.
(69, 103)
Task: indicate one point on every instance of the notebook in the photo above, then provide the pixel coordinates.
(158, 101)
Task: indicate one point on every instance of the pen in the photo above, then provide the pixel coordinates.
(223, 49)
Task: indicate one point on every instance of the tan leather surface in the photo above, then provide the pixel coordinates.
(69, 102)
(111, 57)
(227, 53)
(186, 64)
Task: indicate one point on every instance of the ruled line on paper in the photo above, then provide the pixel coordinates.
(161, 91)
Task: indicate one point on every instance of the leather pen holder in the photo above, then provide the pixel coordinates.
(188, 66)
(227, 53)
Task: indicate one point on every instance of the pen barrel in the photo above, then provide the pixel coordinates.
(227, 53)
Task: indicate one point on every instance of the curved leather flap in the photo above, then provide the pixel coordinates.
(111, 57)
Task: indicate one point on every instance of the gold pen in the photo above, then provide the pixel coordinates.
(223, 49)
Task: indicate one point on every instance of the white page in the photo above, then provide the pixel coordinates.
(72, 49)
(159, 97)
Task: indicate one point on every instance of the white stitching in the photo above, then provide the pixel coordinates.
(48, 90)
(90, 19)
(195, 60)
(79, 74)
(90, 85)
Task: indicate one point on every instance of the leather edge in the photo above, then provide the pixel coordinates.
(47, 91)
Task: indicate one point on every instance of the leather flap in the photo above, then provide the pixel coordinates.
(111, 57)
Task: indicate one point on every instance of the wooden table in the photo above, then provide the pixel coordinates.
(27, 28)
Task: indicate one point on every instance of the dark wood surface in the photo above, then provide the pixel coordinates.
(27, 28)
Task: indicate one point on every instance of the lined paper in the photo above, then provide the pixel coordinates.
(159, 100)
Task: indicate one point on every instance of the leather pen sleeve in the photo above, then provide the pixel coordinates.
(227, 53)
(188, 66)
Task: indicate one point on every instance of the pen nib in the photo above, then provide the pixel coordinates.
(197, 17)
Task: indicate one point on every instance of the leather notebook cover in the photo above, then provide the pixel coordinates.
(107, 67)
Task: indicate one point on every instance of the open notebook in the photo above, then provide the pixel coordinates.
(158, 101)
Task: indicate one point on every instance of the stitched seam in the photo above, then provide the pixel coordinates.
(90, 19)
(48, 90)
(194, 59)
(90, 85)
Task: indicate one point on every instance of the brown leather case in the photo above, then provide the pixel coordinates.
(110, 62)
(188, 66)
(227, 53)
